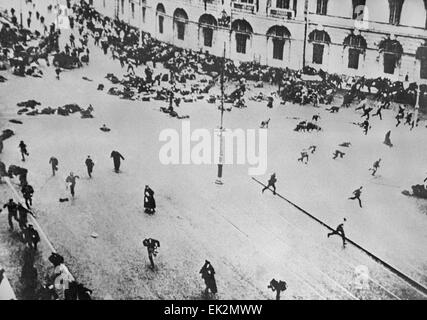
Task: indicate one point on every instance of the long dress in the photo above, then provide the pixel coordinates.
(149, 201)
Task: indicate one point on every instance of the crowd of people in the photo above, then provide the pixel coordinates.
(60, 284)
(190, 77)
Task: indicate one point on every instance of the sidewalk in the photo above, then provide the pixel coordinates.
(6, 291)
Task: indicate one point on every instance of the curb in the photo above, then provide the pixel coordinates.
(6, 291)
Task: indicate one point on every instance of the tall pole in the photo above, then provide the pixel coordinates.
(417, 105)
(57, 14)
(130, 11)
(221, 128)
(222, 88)
(20, 12)
(140, 23)
(116, 9)
(305, 32)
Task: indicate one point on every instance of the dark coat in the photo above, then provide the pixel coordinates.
(149, 201)
(89, 164)
(116, 156)
(27, 191)
(208, 274)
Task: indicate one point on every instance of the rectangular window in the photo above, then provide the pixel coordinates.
(353, 58)
(132, 7)
(423, 70)
(395, 11)
(247, 1)
(103, 3)
(207, 37)
(282, 4)
(123, 6)
(278, 45)
(143, 14)
(322, 7)
(161, 18)
(389, 63)
(318, 53)
(181, 29)
(241, 42)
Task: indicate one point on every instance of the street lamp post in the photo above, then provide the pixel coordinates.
(140, 23)
(221, 128)
(306, 14)
(116, 9)
(417, 105)
(20, 13)
(130, 11)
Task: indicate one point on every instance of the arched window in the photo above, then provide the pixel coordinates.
(180, 19)
(358, 8)
(356, 46)
(395, 11)
(319, 39)
(392, 52)
(278, 34)
(207, 23)
(160, 11)
(243, 31)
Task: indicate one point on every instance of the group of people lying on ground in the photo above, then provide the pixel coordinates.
(21, 48)
(28, 107)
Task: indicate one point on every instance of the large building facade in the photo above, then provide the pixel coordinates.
(374, 38)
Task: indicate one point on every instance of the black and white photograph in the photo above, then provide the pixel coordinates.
(213, 150)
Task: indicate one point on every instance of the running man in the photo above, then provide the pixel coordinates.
(356, 195)
(312, 149)
(12, 209)
(23, 148)
(116, 159)
(54, 163)
(337, 154)
(366, 113)
(339, 231)
(366, 126)
(152, 246)
(271, 183)
(304, 155)
(27, 192)
(378, 113)
(375, 166)
(71, 180)
(89, 165)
